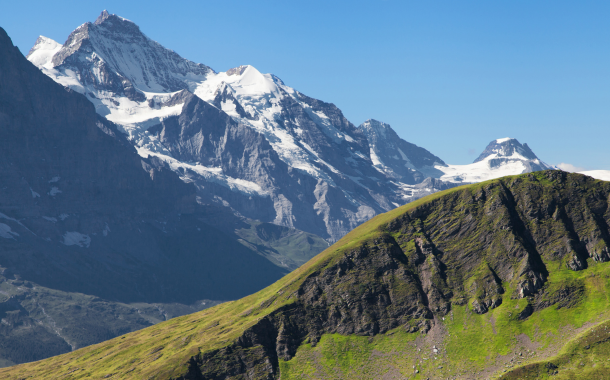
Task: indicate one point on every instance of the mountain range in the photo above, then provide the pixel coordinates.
(249, 141)
(138, 186)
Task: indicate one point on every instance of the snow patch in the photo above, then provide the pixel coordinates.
(6, 232)
(133, 115)
(54, 191)
(54, 179)
(480, 171)
(505, 139)
(209, 173)
(375, 158)
(76, 238)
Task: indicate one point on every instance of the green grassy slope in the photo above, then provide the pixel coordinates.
(475, 346)
(500, 266)
(587, 356)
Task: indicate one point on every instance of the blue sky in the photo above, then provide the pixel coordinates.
(447, 75)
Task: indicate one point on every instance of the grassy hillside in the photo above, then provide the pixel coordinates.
(477, 346)
(479, 281)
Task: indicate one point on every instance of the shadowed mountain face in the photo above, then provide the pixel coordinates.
(82, 212)
(426, 276)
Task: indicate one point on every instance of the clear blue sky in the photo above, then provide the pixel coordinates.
(447, 75)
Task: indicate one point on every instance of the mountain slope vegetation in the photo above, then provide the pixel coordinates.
(475, 281)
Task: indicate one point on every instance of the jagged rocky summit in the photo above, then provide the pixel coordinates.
(495, 265)
(397, 158)
(245, 139)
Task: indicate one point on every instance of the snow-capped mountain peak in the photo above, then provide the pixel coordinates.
(375, 127)
(102, 17)
(505, 156)
(41, 54)
(112, 55)
(507, 148)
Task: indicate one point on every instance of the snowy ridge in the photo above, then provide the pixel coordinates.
(261, 95)
(480, 171)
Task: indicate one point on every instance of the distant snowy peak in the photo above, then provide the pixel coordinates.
(507, 148)
(396, 157)
(43, 51)
(502, 157)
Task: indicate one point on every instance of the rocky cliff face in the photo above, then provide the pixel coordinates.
(398, 158)
(461, 248)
